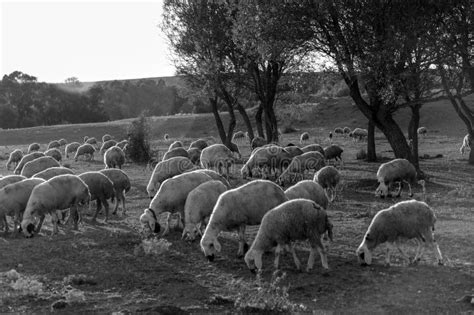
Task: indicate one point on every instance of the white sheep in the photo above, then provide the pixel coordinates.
(358, 133)
(212, 174)
(422, 131)
(53, 171)
(307, 161)
(71, 148)
(334, 152)
(328, 177)
(62, 141)
(338, 131)
(347, 130)
(257, 142)
(106, 138)
(33, 147)
(85, 149)
(400, 170)
(174, 152)
(121, 186)
(308, 189)
(176, 144)
(304, 137)
(294, 220)
(10, 179)
(53, 144)
(198, 207)
(101, 188)
(14, 158)
(237, 208)
(466, 143)
(238, 137)
(114, 157)
(218, 156)
(25, 159)
(405, 220)
(38, 165)
(106, 145)
(293, 151)
(58, 193)
(199, 144)
(267, 158)
(313, 148)
(171, 197)
(91, 140)
(194, 155)
(54, 153)
(167, 169)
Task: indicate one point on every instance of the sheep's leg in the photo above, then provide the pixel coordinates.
(243, 247)
(54, 221)
(180, 221)
(106, 206)
(99, 206)
(122, 197)
(400, 186)
(388, 253)
(167, 227)
(419, 251)
(117, 199)
(277, 256)
(40, 224)
(437, 251)
(402, 252)
(5, 224)
(410, 194)
(295, 258)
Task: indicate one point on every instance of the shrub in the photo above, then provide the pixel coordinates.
(138, 149)
(361, 155)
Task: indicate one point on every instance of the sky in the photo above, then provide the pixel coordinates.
(90, 40)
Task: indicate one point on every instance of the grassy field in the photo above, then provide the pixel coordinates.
(102, 267)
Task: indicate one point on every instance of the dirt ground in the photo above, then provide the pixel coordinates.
(102, 269)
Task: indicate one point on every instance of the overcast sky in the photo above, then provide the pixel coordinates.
(93, 41)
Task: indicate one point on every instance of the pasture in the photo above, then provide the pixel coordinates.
(103, 268)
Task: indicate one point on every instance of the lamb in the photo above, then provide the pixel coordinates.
(218, 156)
(304, 137)
(409, 219)
(466, 143)
(85, 149)
(62, 141)
(294, 220)
(101, 188)
(71, 148)
(177, 151)
(13, 199)
(121, 186)
(422, 131)
(236, 208)
(310, 190)
(14, 158)
(53, 144)
(257, 142)
(10, 179)
(60, 192)
(270, 157)
(171, 197)
(114, 157)
(313, 148)
(38, 165)
(293, 151)
(347, 130)
(333, 152)
(53, 171)
(328, 177)
(176, 144)
(106, 138)
(33, 147)
(54, 153)
(167, 169)
(198, 144)
(358, 133)
(194, 155)
(239, 136)
(25, 159)
(106, 145)
(122, 144)
(338, 131)
(198, 207)
(398, 170)
(307, 161)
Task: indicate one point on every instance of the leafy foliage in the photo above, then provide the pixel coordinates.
(138, 148)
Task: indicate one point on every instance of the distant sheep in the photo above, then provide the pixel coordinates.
(25, 159)
(166, 137)
(334, 152)
(176, 144)
(466, 143)
(301, 163)
(338, 131)
(62, 141)
(405, 220)
(199, 144)
(38, 165)
(314, 148)
(422, 131)
(114, 157)
(194, 155)
(239, 136)
(53, 171)
(122, 144)
(293, 151)
(101, 188)
(257, 142)
(328, 177)
(14, 158)
(294, 220)
(347, 130)
(54, 153)
(85, 138)
(237, 208)
(85, 150)
(106, 145)
(33, 147)
(308, 189)
(358, 134)
(106, 138)
(304, 137)
(174, 152)
(400, 170)
(218, 156)
(268, 158)
(121, 186)
(10, 179)
(91, 140)
(71, 148)
(53, 144)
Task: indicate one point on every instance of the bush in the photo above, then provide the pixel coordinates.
(361, 155)
(138, 149)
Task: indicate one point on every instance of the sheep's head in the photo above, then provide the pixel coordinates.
(253, 261)
(364, 254)
(382, 190)
(149, 220)
(151, 190)
(191, 232)
(210, 245)
(244, 172)
(28, 227)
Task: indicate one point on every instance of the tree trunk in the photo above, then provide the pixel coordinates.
(413, 136)
(246, 119)
(217, 117)
(471, 152)
(395, 137)
(268, 125)
(231, 127)
(371, 154)
(258, 121)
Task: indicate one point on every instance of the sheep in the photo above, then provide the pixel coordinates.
(14, 158)
(174, 152)
(171, 197)
(166, 137)
(308, 189)
(466, 143)
(358, 133)
(239, 136)
(346, 130)
(38, 165)
(218, 156)
(238, 207)
(91, 141)
(410, 219)
(257, 142)
(121, 186)
(14, 197)
(338, 131)
(314, 148)
(25, 159)
(71, 148)
(167, 169)
(198, 207)
(106, 138)
(85, 149)
(293, 151)
(62, 141)
(328, 177)
(10, 179)
(198, 144)
(53, 144)
(270, 157)
(122, 144)
(114, 157)
(212, 174)
(422, 131)
(52, 171)
(101, 188)
(294, 220)
(304, 137)
(307, 161)
(176, 144)
(60, 192)
(106, 145)
(334, 152)
(398, 170)
(194, 155)
(33, 147)
(86, 138)
(54, 153)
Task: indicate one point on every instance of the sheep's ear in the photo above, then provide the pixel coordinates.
(217, 245)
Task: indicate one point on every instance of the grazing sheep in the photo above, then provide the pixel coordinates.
(53, 171)
(177, 151)
(304, 137)
(313, 148)
(62, 141)
(194, 155)
(33, 147)
(257, 142)
(218, 156)
(122, 144)
(58, 193)
(212, 174)
(409, 219)
(54, 153)
(347, 130)
(53, 144)
(114, 157)
(333, 152)
(101, 188)
(106, 145)
(166, 137)
(13, 199)
(71, 148)
(307, 161)
(198, 207)
(466, 143)
(85, 149)
(198, 144)
(91, 141)
(10, 179)
(167, 169)
(86, 138)
(422, 131)
(121, 186)
(171, 197)
(25, 159)
(238, 137)
(270, 158)
(294, 220)
(14, 158)
(106, 138)
(38, 165)
(338, 131)
(358, 133)
(398, 170)
(294, 151)
(328, 177)
(176, 144)
(308, 189)
(237, 208)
